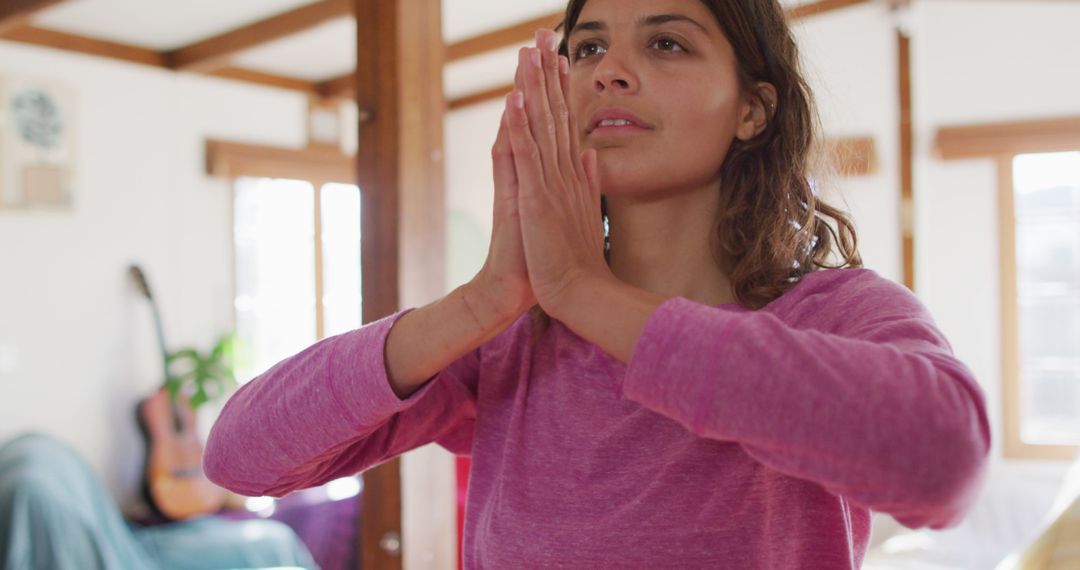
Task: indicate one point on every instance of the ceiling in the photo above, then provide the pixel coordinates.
(320, 53)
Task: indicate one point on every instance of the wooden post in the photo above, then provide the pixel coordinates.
(399, 92)
(907, 148)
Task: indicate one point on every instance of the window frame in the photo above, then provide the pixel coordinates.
(1003, 142)
(1012, 386)
(316, 165)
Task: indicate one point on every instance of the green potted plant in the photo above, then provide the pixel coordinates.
(205, 376)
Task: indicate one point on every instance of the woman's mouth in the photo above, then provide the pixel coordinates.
(617, 127)
(612, 121)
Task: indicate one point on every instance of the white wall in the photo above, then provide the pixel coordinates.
(80, 335)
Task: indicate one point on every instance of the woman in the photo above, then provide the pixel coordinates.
(700, 392)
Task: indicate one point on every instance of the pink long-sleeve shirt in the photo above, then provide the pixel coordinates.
(732, 438)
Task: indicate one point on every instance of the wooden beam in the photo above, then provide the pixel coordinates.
(142, 56)
(907, 159)
(820, 7)
(505, 37)
(266, 79)
(993, 140)
(481, 97)
(343, 87)
(214, 52)
(378, 179)
(853, 156)
(400, 53)
(231, 160)
(84, 45)
(17, 13)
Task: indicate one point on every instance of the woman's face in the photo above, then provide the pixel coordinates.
(667, 63)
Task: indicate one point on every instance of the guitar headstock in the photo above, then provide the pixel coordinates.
(139, 277)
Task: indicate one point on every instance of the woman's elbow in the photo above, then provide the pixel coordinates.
(947, 489)
(226, 466)
(218, 463)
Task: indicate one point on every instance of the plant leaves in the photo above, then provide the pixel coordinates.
(199, 398)
(207, 373)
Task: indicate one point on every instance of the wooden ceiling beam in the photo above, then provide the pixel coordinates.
(142, 56)
(505, 37)
(820, 7)
(17, 13)
(84, 45)
(266, 79)
(214, 52)
(343, 87)
(481, 97)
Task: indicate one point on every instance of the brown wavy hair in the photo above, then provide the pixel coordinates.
(771, 225)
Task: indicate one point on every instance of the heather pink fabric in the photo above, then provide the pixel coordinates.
(732, 439)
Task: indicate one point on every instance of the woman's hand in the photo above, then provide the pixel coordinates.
(558, 186)
(503, 281)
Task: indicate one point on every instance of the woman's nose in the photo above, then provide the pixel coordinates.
(612, 73)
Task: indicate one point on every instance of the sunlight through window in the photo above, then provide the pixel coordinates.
(1047, 197)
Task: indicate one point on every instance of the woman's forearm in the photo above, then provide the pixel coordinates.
(427, 340)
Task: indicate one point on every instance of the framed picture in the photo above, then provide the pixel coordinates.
(36, 146)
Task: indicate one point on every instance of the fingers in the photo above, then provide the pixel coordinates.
(527, 160)
(519, 79)
(541, 121)
(549, 152)
(554, 78)
(574, 133)
(502, 159)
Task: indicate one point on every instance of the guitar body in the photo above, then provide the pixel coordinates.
(175, 485)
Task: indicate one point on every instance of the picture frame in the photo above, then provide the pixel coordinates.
(36, 145)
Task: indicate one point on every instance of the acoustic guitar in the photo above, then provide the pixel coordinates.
(174, 485)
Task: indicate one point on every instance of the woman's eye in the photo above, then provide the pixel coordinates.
(668, 44)
(588, 48)
(585, 49)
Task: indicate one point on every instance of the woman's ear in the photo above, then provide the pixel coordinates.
(757, 109)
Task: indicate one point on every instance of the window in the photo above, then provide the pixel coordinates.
(1046, 197)
(287, 255)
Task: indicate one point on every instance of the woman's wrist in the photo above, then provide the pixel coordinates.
(580, 294)
(481, 295)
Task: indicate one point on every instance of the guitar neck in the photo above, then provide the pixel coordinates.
(177, 424)
(161, 342)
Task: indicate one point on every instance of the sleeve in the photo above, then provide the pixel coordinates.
(329, 411)
(880, 412)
